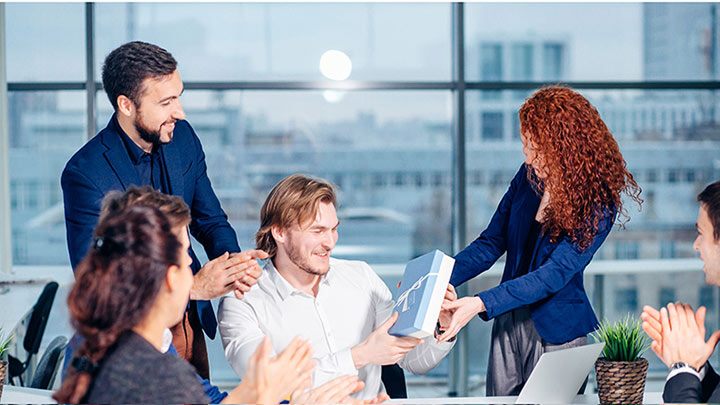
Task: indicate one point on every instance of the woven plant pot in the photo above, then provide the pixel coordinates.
(621, 382)
(3, 374)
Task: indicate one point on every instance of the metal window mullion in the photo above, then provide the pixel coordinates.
(386, 85)
(6, 258)
(90, 85)
(458, 379)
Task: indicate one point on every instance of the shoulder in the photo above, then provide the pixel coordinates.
(351, 266)
(262, 293)
(90, 154)
(136, 371)
(356, 272)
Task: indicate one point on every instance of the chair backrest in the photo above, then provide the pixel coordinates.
(393, 378)
(39, 318)
(49, 364)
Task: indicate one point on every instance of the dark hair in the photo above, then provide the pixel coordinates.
(586, 173)
(127, 66)
(710, 199)
(294, 200)
(172, 206)
(115, 287)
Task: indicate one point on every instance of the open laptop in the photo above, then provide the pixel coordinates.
(558, 375)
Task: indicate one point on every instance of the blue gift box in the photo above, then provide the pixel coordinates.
(422, 290)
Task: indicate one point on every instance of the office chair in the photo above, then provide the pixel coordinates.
(49, 364)
(393, 377)
(34, 334)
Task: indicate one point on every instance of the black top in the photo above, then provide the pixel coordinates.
(136, 372)
(529, 248)
(149, 166)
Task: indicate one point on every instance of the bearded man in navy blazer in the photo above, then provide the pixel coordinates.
(148, 143)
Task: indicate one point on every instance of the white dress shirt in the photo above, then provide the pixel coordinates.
(352, 301)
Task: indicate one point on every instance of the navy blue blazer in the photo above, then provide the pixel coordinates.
(103, 164)
(553, 288)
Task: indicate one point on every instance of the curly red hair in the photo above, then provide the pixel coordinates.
(584, 171)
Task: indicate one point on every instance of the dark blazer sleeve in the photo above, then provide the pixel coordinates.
(687, 388)
(492, 242)
(209, 224)
(82, 199)
(566, 260)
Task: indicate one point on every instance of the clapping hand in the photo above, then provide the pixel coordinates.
(678, 334)
(336, 391)
(271, 380)
(227, 272)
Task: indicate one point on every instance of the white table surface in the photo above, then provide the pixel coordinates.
(15, 395)
(650, 398)
(21, 395)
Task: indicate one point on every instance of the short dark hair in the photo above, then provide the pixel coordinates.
(127, 66)
(710, 199)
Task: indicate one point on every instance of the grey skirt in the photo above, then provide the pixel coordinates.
(515, 349)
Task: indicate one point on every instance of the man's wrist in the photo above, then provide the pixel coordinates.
(681, 364)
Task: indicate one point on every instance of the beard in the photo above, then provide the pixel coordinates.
(296, 257)
(148, 135)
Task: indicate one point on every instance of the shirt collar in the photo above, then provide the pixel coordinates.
(283, 287)
(134, 151)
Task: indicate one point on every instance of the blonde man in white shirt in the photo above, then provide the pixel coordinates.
(341, 306)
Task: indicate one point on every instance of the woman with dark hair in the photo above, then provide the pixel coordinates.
(560, 207)
(134, 284)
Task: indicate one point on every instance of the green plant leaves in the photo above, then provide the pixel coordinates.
(4, 342)
(624, 339)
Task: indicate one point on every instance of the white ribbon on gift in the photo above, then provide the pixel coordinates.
(403, 298)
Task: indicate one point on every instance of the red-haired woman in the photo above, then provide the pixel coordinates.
(134, 284)
(559, 209)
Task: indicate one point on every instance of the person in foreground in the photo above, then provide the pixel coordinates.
(559, 209)
(134, 284)
(678, 333)
(341, 306)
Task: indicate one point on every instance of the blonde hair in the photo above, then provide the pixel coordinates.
(294, 200)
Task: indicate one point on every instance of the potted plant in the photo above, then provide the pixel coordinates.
(621, 371)
(4, 343)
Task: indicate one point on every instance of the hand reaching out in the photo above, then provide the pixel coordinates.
(382, 348)
(460, 313)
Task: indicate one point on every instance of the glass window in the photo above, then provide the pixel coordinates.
(46, 128)
(650, 41)
(667, 294)
(492, 125)
(521, 62)
(45, 42)
(491, 62)
(239, 42)
(626, 300)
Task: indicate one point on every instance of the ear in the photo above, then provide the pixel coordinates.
(172, 278)
(278, 234)
(125, 105)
